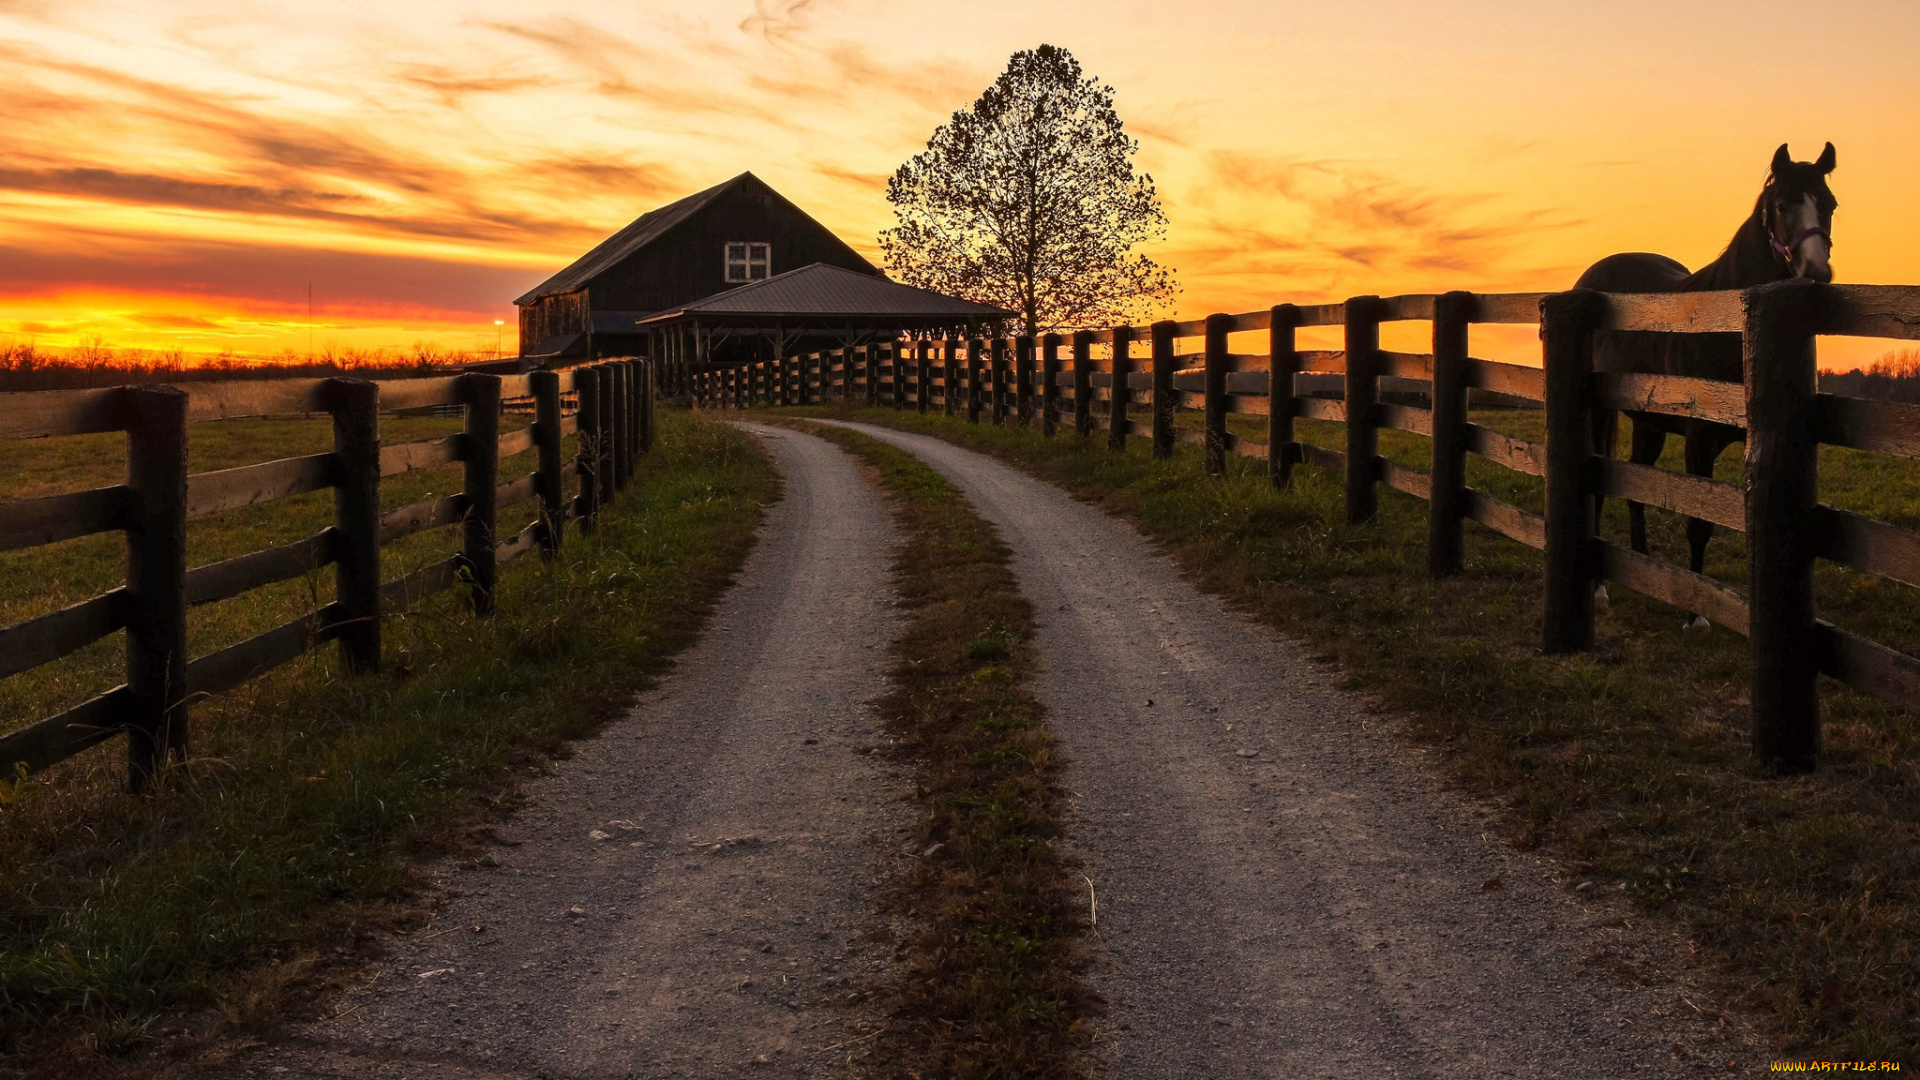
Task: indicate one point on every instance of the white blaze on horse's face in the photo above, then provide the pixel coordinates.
(1800, 218)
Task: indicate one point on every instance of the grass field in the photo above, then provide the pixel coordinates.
(1629, 764)
(250, 886)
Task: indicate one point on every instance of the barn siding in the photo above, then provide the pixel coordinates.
(560, 313)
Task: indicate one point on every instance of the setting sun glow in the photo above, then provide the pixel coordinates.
(178, 176)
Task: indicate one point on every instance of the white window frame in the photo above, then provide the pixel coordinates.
(748, 261)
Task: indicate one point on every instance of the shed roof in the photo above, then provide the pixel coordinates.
(822, 290)
(644, 230)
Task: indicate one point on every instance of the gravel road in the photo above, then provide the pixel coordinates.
(1284, 888)
(686, 895)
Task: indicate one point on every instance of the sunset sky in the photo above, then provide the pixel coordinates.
(177, 174)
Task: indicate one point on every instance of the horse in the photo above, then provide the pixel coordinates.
(1788, 235)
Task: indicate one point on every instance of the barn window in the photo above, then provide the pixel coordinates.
(749, 262)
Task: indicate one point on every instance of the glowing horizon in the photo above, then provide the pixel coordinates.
(177, 176)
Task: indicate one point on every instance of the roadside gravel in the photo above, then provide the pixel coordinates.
(1283, 886)
(688, 894)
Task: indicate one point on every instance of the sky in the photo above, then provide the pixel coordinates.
(183, 174)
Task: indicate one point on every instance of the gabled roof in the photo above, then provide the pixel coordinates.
(645, 229)
(824, 290)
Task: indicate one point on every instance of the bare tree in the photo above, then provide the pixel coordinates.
(1029, 201)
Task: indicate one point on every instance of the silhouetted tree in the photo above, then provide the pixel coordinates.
(1029, 201)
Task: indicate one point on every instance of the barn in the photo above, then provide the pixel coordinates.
(734, 233)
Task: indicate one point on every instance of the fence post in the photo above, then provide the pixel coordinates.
(1363, 393)
(1217, 363)
(1567, 324)
(950, 376)
(1049, 384)
(974, 348)
(1163, 362)
(545, 386)
(355, 405)
(623, 419)
(1122, 389)
(1023, 379)
(997, 381)
(481, 395)
(1083, 383)
(1283, 361)
(897, 363)
(1446, 502)
(586, 381)
(923, 377)
(1783, 484)
(156, 580)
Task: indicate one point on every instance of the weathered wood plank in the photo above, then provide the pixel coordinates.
(1190, 382)
(1321, 409)
(1695, 496)
(1400, 478)
(1255, 406)
(1253, 320)
(1320, 385)
(515, 386)
(419, 393)
(45, 413)
(49, 637)
(396, 458)
(230, 489)
(1405, 365)
(58, 738)
(1691, 312)
(33, 522)
(402, 593)
(1247, 382)
(1868, 666)
(1247, 448)
(231, 577)
(421, 516)
(1510, 379)
(221, 671)
(1516, 454)
(1672, 395)
(1190, 435)
(517, 491)
(569, 425)
(1321, 360)
(1507, 307)
(517, 441)
(1323, 314)
(1867, 545)
(1880, 427)
(1410, 307)
(527, 539)
(1402, 418)
(1506, 519)
(1886, 311)
(1323, 458)
(253, 397)
(1684, 589)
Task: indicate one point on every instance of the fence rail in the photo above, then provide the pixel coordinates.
(1058, 381)
(612, 411)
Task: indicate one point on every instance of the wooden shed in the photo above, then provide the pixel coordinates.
(731, 234)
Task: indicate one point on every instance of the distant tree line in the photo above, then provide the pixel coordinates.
(1893, 377)
(30, 367)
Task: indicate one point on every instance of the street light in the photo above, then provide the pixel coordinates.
(497, 336)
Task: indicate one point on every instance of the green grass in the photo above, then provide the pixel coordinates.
(990, 983)
(253, 884)
(1630, 764)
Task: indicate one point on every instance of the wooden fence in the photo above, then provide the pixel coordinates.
(1193, 365)
(612, 413)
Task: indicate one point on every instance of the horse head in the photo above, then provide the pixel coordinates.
(1797, 209)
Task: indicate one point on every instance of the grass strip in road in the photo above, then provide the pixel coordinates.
(999, 913)
(133, 930)
(1798, 897)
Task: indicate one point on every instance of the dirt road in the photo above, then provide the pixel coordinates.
(684, 896)
(1283, 888)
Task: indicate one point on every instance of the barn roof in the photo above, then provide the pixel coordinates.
(822, 290)
(644, 230)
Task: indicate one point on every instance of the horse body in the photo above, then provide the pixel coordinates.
(1786, 236)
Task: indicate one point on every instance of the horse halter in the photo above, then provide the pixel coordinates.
(1785, 252)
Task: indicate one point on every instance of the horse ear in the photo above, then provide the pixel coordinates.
(1825, 164)
(1781, 159)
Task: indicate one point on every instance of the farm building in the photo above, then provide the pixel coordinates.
(664, 286)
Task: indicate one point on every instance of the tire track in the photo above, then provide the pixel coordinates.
(1284, 889)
